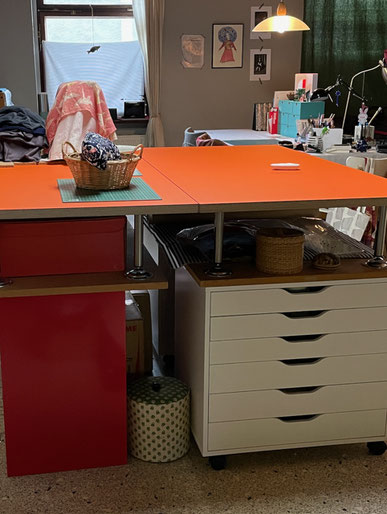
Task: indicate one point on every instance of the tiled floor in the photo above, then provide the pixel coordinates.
(330, 480)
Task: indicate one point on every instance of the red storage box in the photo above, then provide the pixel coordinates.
(60, 247)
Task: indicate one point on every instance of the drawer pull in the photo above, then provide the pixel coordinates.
(303, 314)
(305, 290)
(301, 362)
(295, 419)
(300, 390)
(303, 339)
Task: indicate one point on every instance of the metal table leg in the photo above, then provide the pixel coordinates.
(138, 272)
(378, 261)
(5, 282)
(217, 270)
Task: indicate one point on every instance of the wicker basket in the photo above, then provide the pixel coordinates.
(280, 251)
(117, 175)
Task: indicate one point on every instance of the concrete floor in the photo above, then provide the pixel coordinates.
(330, 480)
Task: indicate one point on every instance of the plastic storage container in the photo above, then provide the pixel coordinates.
(291, 111)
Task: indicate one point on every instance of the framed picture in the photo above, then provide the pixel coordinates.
(259, 14)
(260, 64)
(192, 49)
(227, 45)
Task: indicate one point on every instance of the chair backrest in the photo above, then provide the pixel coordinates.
(379, 167)
(191, 135)
(358, 163)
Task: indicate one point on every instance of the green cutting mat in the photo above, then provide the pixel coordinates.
(138, 190)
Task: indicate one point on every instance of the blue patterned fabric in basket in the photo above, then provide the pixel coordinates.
(98, 150)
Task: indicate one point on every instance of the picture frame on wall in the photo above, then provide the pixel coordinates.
(227, 45)
(259, 14)
(260, 64)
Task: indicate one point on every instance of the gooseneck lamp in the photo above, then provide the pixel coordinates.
(381, 64)
(281, 23)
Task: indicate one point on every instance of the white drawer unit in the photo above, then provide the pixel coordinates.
(277, 366)
(252, 376)
(302, 298)
(301, 323)
(298, 347)
(258, 433)
(297, 401)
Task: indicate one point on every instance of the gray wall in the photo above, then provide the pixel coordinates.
(220, 98)
(206, 98)
(17, 70)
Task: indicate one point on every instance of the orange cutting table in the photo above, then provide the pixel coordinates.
(31, 191)
(239, 178)
(63, 337)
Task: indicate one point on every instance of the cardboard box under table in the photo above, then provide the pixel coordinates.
(142, 299)
(134, 338)
(64, 381)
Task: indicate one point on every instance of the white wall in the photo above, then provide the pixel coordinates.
(17, 69)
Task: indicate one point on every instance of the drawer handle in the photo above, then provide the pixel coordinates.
(296, 419)
(303, 314)
(300, 390)
(303, 339)
(301, 362)
(305, 290)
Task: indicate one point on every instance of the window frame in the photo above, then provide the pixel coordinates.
(58, 10)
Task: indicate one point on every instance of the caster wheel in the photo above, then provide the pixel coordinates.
(217, 462)
(377, 448)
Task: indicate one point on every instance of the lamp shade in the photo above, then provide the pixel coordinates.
(281, 23)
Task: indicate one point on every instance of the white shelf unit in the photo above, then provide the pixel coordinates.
(283, 365)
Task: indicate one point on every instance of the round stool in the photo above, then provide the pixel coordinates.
(158, 419)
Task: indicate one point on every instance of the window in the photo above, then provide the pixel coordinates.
(91, 40)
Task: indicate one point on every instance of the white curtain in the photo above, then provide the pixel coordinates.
(149, 18)
(110, 67)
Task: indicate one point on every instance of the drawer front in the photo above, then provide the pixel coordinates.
(297, 324)
(290, 299)
(298, 401)
(315, 345)
(277, 432)
(251, 376)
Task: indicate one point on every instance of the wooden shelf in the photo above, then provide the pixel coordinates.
(49, 285)
(131, 120)
(77, 284)
(246, 274)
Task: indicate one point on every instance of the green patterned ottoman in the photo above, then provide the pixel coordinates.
(158, 419)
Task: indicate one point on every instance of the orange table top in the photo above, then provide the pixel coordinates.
(30, 190)
(237, 178)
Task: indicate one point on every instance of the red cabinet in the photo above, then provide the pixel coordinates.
(57, 247)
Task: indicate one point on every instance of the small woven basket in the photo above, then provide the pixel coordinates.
(280, 251)
(117, 175)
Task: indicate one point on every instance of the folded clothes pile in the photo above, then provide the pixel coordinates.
(206, 140)
(98, 150)
(22, 134)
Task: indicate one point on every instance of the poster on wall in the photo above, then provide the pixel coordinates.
(260, 64)
(227, 45)
(192, 49)
(259, 14)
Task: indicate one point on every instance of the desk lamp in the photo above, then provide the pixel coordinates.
(324, 93)
(281, 23)
(381, 64)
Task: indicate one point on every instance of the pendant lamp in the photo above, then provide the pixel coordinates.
(281, 23)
